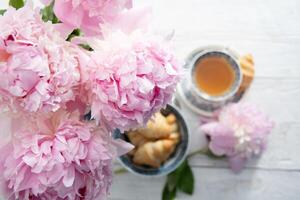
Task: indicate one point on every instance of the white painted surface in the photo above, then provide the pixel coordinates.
(270, 30)
(216, 183)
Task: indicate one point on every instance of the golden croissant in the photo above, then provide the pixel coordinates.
(247, 67)
(155, 153)
(158, 127)
(136, 138)
(175, 136)
(171, 118)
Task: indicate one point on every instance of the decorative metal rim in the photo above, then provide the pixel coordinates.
(230, 56)
(206, 109)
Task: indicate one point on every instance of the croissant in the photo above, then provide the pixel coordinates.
(136, 138)
(171, 118)
(247, 66)
(158, 127)
(155, 153)
(132, 152)
(175, 136)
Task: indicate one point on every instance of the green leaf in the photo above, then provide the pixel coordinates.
(120, 171)
(48, 14)
(2, 11)
(174, 177)
(181, 179)
(168, 194)
(86, 47)
(186, 182)
(172, 180)
(75, 32)
(16, 3)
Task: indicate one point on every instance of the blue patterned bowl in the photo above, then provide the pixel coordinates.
(175, 159)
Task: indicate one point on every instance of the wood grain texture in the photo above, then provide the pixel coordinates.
(270, 30)
(215, 183)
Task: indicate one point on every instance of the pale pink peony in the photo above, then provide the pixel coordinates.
(38, 69)
(131, 77)
(58, 157)
(89, 15)
(240, 133)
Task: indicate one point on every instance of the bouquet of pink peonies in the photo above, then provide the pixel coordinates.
(59, 63)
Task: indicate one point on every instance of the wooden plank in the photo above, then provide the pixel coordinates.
(248, 18)
(268, 29)
(282, 152)
(272, 59)
(215, 184)
(280, 99)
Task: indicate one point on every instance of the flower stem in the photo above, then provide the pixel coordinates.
(201, 151)
(120, 171)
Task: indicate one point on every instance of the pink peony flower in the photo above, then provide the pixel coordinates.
(58, 157)
(89, 15)
(38, 69)
(240, 133)
(131, 77)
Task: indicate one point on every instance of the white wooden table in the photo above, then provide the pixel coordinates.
(270, 30)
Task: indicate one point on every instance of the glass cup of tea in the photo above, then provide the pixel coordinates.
(214, 77)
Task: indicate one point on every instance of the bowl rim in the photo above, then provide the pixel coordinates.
(200, 53)
(179, 161)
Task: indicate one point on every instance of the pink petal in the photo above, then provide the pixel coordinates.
(46, 2)
(65, 12)
(133, 19)
(122, 147)
(3, 55)
(30, 159)
(56, 174)
(237, 163)
(46, 147)
(222, 138)
(69, 176)
(64, 29)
